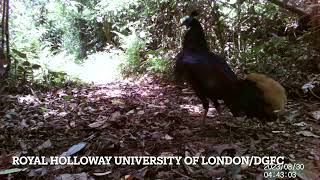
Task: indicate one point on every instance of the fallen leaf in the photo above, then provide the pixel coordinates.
(165, 154)
(38, 172)
(278, 132)
(128, 177)
(130, 112)
(62, 114)
(45, 145)
(81, 176)
(117, 102)
(316, 115)
(292, 115)
(102, 173)
(141, 112)
(300, 124)
(306, 87)
(75, 148)
(11, 171)
(156, 106)
(23, 124)
(307, 134)
(167, 137)
(140, 174)
(96, 124)
(115, 115)
(23, 145)
(72, 124)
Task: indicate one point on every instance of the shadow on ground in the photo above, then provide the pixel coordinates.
(139, 117)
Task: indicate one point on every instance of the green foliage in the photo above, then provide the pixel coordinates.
(132, 59)
(157, 65)
(26, 73)
(138, 61)
(148, 32)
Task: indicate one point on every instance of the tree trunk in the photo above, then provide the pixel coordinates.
(7, 38)
(107, 30)
(315, 24)
(4, 47)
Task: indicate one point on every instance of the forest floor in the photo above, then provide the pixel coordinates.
(147, 117)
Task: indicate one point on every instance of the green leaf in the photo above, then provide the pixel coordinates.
(26, 63)
(67, 98)
(36, 66)
(20, 54)
(43, 109)
(21, 68)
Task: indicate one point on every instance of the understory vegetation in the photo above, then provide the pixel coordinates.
(53, 39)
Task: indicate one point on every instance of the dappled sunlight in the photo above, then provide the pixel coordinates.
(28, 99)
(98, 68)
(197, 110)
(192, 108)
(114, 92)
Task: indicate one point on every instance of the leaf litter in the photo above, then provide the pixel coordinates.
(135, 118)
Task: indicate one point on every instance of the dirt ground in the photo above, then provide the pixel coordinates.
(148, 117)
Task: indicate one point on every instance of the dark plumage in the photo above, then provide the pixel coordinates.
(194, 39)
(195, 49)
(212, 79)
(209, 75)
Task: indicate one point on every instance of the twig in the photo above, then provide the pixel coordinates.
(314, 94)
